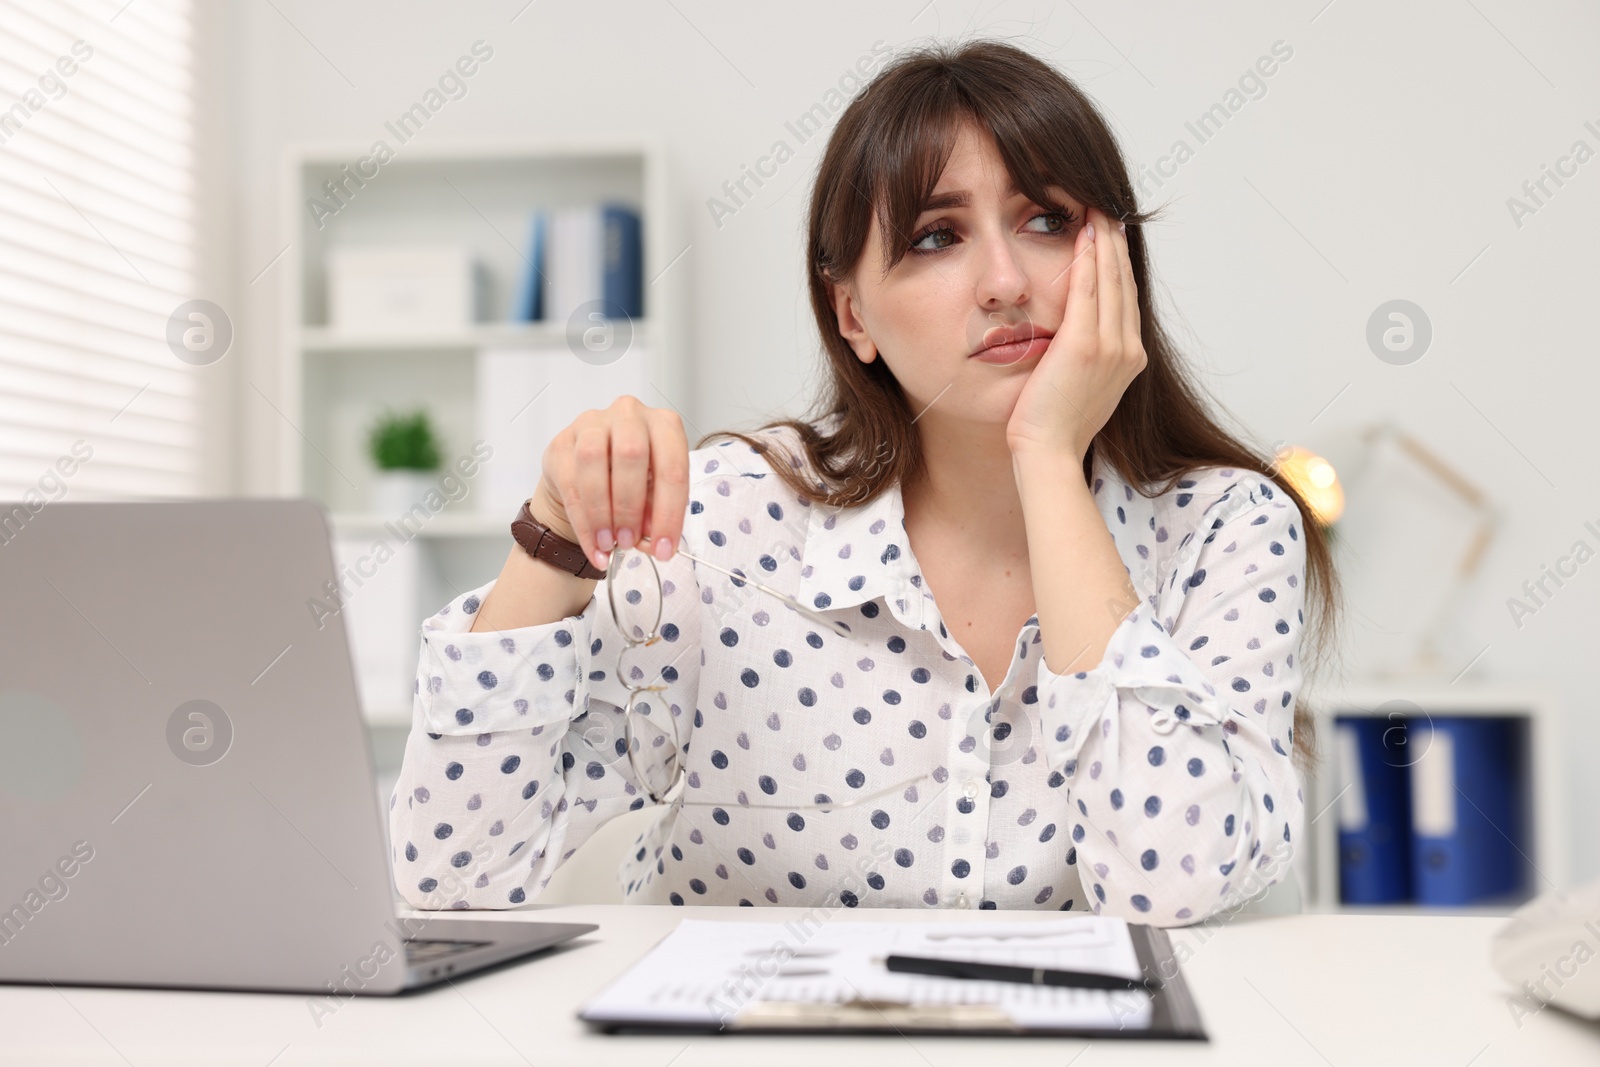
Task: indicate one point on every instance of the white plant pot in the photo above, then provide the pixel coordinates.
(396, 492)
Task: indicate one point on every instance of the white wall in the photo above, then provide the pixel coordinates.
(1377, 165)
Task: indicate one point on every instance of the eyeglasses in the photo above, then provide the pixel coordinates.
(666, 780)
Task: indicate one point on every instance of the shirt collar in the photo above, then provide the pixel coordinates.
(856, 554)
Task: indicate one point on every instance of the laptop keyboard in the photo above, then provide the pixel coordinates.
(423, 951)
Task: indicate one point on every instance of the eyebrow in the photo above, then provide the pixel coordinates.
(958, 198)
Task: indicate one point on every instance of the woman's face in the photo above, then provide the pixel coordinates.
(983, 257)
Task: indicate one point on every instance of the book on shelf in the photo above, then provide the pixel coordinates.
(579, 256)
(622, 263)
(1374, 811)
(1468, 843)
(530, 289)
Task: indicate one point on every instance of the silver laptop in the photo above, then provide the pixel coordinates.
(186, 794)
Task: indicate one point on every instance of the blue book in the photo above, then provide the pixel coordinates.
(622, 261)
(1470, 835)
(1374, 811)
(528, 302)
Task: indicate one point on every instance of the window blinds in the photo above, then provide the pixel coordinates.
(97, 249)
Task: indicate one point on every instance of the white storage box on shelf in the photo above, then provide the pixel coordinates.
(395, 289)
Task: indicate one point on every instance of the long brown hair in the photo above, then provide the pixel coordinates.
(882, 162)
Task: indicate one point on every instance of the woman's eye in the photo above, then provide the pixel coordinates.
(1057, 221)
(921, 243)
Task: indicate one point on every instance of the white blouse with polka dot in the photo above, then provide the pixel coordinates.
(1147, 787)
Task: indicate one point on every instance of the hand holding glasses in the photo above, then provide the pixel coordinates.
(625, 469)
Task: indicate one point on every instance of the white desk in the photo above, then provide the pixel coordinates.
(1303, 989)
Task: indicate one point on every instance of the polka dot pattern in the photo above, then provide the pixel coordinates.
(1143, 787)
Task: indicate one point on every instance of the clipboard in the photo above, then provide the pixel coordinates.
(684, 984)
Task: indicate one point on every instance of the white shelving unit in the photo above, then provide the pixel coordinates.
(1543, 783)
(333, 385)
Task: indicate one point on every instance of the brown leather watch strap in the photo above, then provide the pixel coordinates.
(541, 542)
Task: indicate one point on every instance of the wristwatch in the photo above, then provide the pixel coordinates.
(541, 542)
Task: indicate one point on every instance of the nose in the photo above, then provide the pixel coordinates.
(1001, 280)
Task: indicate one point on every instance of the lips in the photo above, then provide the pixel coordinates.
(1008, 344)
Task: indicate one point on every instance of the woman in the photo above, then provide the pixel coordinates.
(1052, 625)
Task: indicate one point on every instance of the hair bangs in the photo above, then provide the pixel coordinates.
(905, 170)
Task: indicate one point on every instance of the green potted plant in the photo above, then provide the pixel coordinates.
(405, 450)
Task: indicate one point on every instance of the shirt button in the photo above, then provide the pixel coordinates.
(961, 900)
(1163, 721)
(971, 790)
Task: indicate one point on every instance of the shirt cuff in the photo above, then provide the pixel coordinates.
(1141, 658)
(492, 680)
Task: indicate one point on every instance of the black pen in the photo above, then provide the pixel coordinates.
(997, 972)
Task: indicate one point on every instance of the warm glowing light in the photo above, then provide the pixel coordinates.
(1315, 479)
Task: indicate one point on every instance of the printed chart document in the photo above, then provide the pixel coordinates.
(807, 975)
